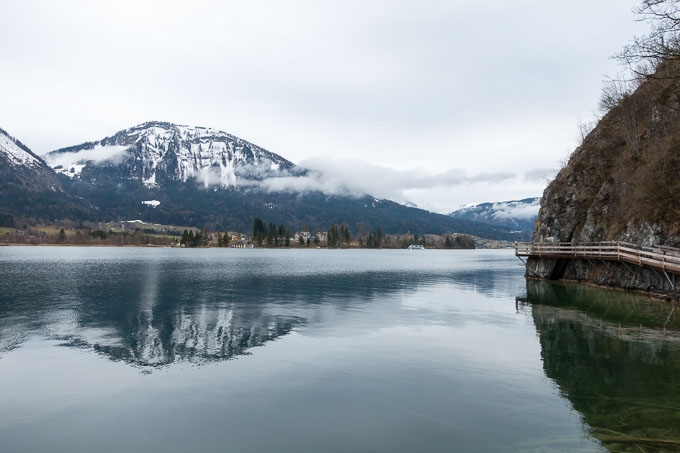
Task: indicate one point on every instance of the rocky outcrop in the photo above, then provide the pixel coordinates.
(621, 184)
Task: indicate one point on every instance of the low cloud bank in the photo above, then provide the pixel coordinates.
(97, 155)
(351, 177)
(516, 210)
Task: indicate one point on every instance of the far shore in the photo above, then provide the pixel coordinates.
(235, 248)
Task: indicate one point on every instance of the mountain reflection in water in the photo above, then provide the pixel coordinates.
(152, 313)
(616, 357)
(346, 350)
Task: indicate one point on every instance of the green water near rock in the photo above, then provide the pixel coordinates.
(615, 356)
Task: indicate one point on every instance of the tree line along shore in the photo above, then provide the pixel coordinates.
(263, 235)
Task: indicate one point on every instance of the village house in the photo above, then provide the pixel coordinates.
(305, 235)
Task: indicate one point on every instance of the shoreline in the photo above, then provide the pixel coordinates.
(236, 248)
(92, 245)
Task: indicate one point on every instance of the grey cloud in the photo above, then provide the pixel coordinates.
(521, 211)
(356, 178)
(406, 84)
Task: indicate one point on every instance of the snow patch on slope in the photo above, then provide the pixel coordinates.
(150, 181)
(15, 154)
(71, 171)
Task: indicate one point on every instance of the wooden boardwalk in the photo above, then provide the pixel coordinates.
(663, 258)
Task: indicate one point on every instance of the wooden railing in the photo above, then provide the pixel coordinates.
(660, 257)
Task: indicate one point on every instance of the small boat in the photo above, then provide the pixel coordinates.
(416, 247)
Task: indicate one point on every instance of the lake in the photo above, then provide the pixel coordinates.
(176, 350)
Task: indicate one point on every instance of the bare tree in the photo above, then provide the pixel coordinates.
(643, 55)
(618, 94)
(584, 128)
(614, 93)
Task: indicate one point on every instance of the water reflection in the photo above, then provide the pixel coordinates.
(397, 351)
(616, 358)
(154, 311)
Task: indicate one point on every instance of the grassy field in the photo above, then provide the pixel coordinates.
(492, 244)
(47, 229)
(115, 227)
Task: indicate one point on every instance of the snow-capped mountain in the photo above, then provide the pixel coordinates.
(21, 168)
(518, 215)
(158, 152)
(159, 172)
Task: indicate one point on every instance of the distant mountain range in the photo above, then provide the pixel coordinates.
(516, 215)
(194, 176)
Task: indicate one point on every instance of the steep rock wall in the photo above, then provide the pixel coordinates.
(621, 184)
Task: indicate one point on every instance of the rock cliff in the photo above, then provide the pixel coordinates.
(621, 184)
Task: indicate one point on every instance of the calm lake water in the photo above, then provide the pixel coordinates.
(140, 349)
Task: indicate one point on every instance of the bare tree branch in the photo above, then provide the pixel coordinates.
(644, 54)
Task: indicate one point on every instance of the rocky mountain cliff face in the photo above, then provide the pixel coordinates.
(157, 152)
(621, 184)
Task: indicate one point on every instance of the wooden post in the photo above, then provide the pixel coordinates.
(618, 251)
(639, 253)
(663, 260)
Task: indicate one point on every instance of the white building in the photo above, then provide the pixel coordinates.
(241, 244)
(305, 235)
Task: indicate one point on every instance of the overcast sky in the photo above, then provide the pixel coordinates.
(442, 103)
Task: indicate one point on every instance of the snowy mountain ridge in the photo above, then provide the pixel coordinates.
(157, 152)
(16, 153)
(154, 172)
(25, 179)
(517, 214)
